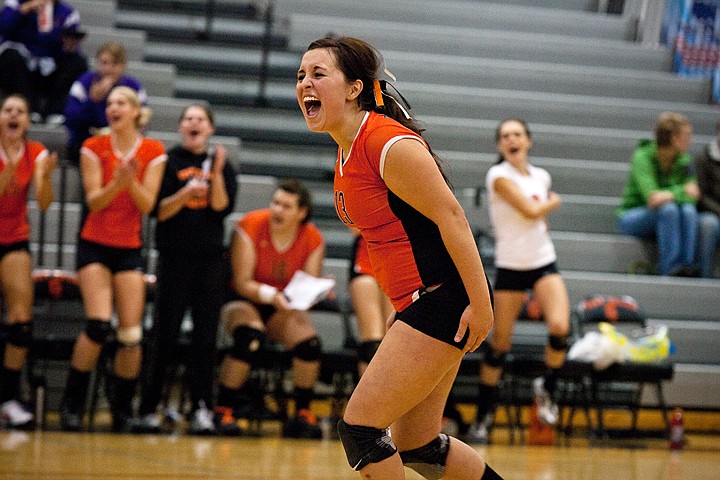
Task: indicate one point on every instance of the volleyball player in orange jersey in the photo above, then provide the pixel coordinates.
(121, 175)
(389, 185)
(22, 162)
(268, 247)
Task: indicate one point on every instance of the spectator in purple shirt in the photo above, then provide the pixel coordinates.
(85, 109)
(40, 53)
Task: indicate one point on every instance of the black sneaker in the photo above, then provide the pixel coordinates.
(123, 422)
(71, 416)
(303, 425)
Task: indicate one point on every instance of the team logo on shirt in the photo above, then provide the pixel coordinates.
(188, 175)
(340, 208)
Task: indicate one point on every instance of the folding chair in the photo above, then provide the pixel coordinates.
(621, 385)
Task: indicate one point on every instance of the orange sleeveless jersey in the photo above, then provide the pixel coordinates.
(361, 262)
(119, 224)
(14, 226)
(405, 248)
(273, 267)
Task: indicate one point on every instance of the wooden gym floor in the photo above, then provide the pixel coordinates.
(52, 455)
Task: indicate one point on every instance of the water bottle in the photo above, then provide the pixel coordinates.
(677, 432)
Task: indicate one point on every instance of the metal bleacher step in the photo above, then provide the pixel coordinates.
(473, 14)
(473, 42)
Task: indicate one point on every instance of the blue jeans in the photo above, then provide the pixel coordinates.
(674, 227)
(707, 242)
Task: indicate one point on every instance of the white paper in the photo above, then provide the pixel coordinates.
(304, 290)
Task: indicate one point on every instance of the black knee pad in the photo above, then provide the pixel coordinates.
(429, 460)
(365, 445)
(367, 350)
(494, 358)
(20, 334)
(99, 331)
(558, 342)
(309, 350)
(247, 344)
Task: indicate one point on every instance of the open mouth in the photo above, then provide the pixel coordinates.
(514, 150)
(312, 105)
(13, 125)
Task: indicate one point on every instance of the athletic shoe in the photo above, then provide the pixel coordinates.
(123, 422)
(303, 425)
(15, 415)
(226, 423)
(71, 416)
(548, 411)
(479, 432)
(148, 423)
(202, 421)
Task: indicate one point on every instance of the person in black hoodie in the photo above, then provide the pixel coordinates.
(197, 193)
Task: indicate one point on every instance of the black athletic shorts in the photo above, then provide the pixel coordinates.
(23, 245)
(264, 310)
(437, 313)
(116, 259)
(521, 280)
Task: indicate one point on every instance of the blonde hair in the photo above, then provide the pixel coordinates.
(669, 124)
(145, 113)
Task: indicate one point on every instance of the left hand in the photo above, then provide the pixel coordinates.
(477, 325)
(219, 163)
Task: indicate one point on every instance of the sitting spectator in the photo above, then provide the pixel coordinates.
(707, 169)
(197, 193)
(22, 162)
(85, 109)
(268, 247)
(660, 196)
(40, 54)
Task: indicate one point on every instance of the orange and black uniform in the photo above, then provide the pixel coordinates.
(112, 236)
(273, 267)
(14, 226)
(407, 253)
(191, 266)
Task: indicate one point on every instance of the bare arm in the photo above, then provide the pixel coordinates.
(144, 194)
(218, 192)
(533, 210)
(6, 175)
(411, 173)
(41, 180)
(97, 195)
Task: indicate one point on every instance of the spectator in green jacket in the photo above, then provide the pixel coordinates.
(660, 196)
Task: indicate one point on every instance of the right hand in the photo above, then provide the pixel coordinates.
(125, 173)
(659, 198)
(100, 88)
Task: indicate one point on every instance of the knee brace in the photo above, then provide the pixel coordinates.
(368, 349)
(20, 334)
(494, 358)
(558, 342)
(365, 445)
(129, 337)
(429, 460)
(308, 350)
(99, 331)
(246, 344)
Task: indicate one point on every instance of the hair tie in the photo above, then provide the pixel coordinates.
(379, 102)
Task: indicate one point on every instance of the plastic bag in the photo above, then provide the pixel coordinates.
(649, 345)
(598, 349)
